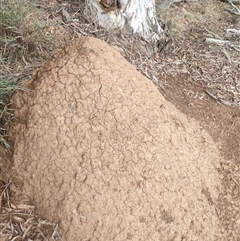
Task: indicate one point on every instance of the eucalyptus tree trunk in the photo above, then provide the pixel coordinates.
(131, 17)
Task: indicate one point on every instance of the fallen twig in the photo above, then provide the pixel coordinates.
(222, 43)
(232, 31)
(213, 34)
(237, 2)
(232, 12)
(235, 13)
(234, 6)
(218, 41)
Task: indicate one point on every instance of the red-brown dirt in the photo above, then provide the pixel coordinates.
(100, 151)
(223, 123)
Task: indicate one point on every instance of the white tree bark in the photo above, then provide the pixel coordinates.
(132, 16)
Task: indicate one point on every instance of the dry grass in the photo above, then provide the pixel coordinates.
(21, 222)
(24, 44)
(25, 41)
(23, 47)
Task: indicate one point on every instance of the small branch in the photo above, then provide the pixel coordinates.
(227, 55)
(66, 15)
(234, 6)
(222, 43)
(218, 41)
(236, 13)
(213, 34)
(237, 2)
(211, 95)
(232, 12)
(224, 102)
(232, 31)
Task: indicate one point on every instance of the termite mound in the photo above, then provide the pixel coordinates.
(101, 152)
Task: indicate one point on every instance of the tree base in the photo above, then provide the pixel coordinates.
(133, 20)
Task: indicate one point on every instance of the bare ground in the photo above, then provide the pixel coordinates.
(206, 68)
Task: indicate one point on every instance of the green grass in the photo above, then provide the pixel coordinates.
(24, 45)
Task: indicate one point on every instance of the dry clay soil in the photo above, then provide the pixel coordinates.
(100, 151)
(220, 188)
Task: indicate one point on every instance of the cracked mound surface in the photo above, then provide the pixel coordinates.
(101, 152)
